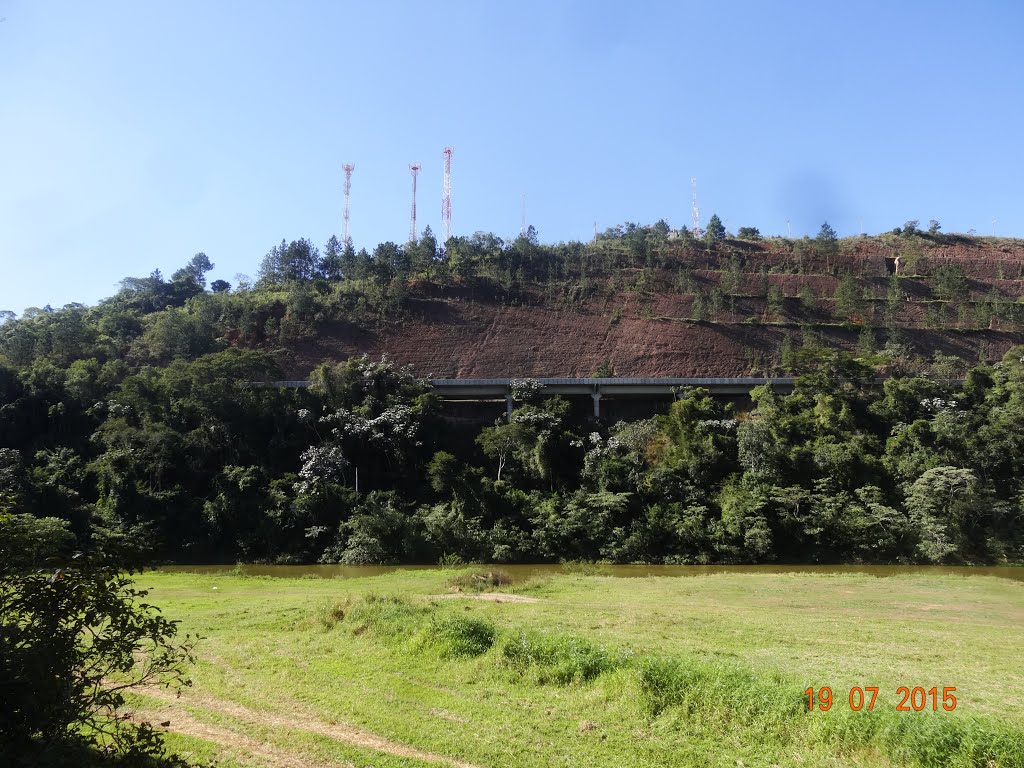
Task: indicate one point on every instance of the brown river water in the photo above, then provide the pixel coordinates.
(522, 572)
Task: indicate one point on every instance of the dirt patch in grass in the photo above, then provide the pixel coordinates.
(244, 746)
(951, 607)
(494, 597)
(293, 720)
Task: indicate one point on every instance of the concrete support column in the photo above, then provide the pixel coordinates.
(597, 404)
(509, 405)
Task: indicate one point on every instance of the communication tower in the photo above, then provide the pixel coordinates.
(696, 210)
(413, 169)
(346, 235)
(446, 195)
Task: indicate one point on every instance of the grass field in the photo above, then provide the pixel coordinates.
(594, 670)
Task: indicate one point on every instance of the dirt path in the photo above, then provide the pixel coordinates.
(243, 746)
(277, 757)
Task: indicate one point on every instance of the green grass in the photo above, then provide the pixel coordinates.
(605, 671)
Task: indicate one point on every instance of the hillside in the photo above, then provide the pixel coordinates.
(135, 423)
(637, 301)
(700, 312)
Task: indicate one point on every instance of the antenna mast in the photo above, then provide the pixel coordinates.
(446, 195)
(346, 236)
(413, 169)
(696, 210)
(522, 229)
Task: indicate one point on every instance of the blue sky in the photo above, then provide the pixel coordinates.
(135, 134)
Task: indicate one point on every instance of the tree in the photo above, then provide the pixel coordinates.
(220, 286)
(526, 390)
(826, 234)
(715, 231)
(911, 227)
(73, 640)
(828, 243)
(424, 253)
(390, 262)
(933, 227)
(776, 301)
(950, 283)
(195, 270)
(297, 261)
(940, 503)
(463, 258)
(847, 296)
(331, 265)
(660, 230)
(808, 301)
(500, 441)
(748, 233)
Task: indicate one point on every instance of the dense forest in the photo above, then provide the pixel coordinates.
(146, 424)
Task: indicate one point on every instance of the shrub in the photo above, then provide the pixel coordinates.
(72, 642)
(480, 581)
(698, 686)
(330, 615)
(454, 635)
(386, 616)
(559, 659)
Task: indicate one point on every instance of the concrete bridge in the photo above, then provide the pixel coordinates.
(612, 388)
(619, 390)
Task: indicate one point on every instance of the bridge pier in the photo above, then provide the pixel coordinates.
(509, 405)
(597, 404)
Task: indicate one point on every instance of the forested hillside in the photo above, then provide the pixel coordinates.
(140, 423)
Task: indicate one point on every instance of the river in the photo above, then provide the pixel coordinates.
(522, 572)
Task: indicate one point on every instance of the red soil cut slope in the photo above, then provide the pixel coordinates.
(475, 341)
(462, 332)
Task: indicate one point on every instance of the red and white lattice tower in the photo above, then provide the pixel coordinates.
(696, 210)
(346, 235)
(446, 196)
(413, 169)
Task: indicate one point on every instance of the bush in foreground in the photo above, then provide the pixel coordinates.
(73, 640)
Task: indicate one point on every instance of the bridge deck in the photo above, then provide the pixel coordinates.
(501, 389)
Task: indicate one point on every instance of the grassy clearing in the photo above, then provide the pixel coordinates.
(611, 671)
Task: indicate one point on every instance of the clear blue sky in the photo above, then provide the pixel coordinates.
(135, 134)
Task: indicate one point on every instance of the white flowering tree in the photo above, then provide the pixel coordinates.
(371, 423)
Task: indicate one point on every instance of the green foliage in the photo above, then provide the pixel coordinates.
(715, 231)
(950, 283)
(827, 244)
(387, 617)
(73, 640)
(697, 687)
(455, 635)
(559, 659)
(776, 302)
(847, 297)
(145, 425)
(808, 301)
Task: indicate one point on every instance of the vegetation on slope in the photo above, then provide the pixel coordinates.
(140, 423)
